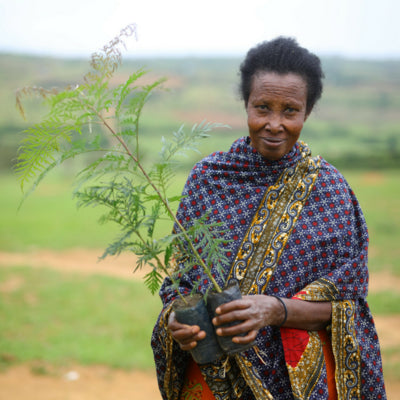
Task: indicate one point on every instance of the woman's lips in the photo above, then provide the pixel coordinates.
(272, 141)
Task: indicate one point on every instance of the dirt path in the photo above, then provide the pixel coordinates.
(83, 261)
(100, 383)
(86, 261)
(77, 383)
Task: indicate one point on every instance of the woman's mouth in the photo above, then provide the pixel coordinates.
(272, 141)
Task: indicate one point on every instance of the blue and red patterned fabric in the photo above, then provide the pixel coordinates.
(324, 259)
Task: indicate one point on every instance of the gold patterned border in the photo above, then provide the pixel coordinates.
(307, 372)
(346, 350)
(319, 290)
(344, 341)
(252, 379)
(265, 239)
(167, 342)
(261, 248)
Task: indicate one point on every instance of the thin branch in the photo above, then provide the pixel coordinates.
(163, 200)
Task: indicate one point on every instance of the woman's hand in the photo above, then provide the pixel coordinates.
(185, 335)
(254, 312)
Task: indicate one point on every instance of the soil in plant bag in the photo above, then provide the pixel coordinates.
(196, 313)
(215, 299)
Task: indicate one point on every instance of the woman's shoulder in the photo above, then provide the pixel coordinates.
(206, 163)
(330, 178)
(237, 151)
(328, 170)
(202, 168)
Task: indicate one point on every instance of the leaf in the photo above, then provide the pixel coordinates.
(38, 151)
(124, 90)
(167, 254)
(153, 280)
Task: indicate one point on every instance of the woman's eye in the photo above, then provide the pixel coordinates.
(290, 109)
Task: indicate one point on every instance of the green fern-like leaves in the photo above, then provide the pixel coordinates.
(153, 280)
(209, 240)
(99, 122)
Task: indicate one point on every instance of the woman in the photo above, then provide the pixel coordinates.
(299, 252)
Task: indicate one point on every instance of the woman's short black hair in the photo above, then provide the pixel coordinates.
(282, 55)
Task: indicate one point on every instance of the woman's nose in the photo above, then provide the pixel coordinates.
(274, 123)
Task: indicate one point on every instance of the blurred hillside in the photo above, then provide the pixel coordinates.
(355, 125)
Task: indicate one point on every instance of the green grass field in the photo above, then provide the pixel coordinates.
(62, 318)
(378, 196)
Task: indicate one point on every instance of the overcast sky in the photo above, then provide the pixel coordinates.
(352, 28)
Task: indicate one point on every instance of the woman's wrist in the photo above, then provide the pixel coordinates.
(284, 309)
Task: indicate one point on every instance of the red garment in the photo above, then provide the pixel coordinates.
(194, 386)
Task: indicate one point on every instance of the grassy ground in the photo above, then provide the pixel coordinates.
(378, 196)
(64, 318)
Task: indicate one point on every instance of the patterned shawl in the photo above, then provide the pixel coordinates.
(297, 231)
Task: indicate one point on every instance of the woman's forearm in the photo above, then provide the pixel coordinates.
(308, 315)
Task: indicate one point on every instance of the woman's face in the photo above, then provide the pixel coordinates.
(276, 112)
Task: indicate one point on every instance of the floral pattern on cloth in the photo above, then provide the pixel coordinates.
(328, 243)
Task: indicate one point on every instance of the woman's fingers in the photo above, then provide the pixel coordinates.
(245, 339)
(237, 329)
(233, 311)
(186, 336)
(241, 304)
(233, 316)
(247, 334)
(248, 314)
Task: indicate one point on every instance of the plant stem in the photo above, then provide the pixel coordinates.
(162, 266)
(137, 139)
